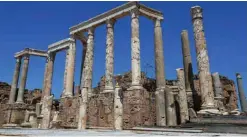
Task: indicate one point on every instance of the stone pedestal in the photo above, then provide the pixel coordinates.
(47, 106)
(171, 119)
(30, 120)
(118, 108)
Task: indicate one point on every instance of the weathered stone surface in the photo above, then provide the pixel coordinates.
(15, 81)
(242, 97)
(47, 108)
(118, 108)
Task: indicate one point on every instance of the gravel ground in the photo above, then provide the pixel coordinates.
(94, 132)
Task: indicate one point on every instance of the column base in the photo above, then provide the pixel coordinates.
(209, 111)
(19, 102)
(107, 90)
(135, 87)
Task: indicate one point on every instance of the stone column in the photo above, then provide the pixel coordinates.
(23, 80)
(188, 70)
(205, 79)
(218, 92)
(118, 109)
(135, 50)
(43, 89)
(184, 114)
(171, 119)
(109, 72)
(160, 75)
(15, 81)
(86, 83)
(242, 97)
(70, 71)
(48, 79)
(84, 49)
(65, 73)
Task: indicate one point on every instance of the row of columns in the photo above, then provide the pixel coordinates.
(15, 80)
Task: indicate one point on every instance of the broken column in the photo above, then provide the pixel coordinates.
(160, 75)
(118, 108)
(23, 79)
(188, 70)
(70, 71)
(15, 81)
(242, 97)
(205, 79)
(171, 119)
(184, 114)
(219, 99)
(135, 50)
(86, 83)
(109, 72)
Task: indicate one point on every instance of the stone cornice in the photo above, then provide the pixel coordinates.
(30, 51)
(60, 45)
(116, 13)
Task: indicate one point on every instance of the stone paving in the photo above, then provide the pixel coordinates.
(98, 132)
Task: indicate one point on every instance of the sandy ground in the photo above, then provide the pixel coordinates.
(94, 132)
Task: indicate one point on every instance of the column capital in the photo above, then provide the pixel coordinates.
(157, 23)
(18, 59)
(110, 23)
(135, 13)
(26, 57)
(91, 31)
(238, 76)
(196, 12)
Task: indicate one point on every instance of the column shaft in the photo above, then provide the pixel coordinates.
(109, 71)
(84, 50)
(188, 70)
(135, 50)
(23, 80)
(184, 114)
(45, 73)
(86, 83)
(160, 75)
(205, 79)
(242, 97)
(65, 73)
(15, 81)
(70, 71)
(118, 109)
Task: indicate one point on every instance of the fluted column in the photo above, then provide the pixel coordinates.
(205, 79)
(70, 71)
(184, 114)
(135, 50)
(242, 97)
(86, 84)
(160, 75)
(109, 71)
(188, 70)
(23, 79)
(15, 81)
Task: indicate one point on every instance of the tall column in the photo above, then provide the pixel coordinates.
(160, 75)
(118, 109)
(23, 79)
(15, 81)
(49, 74)
(135, 50)
(86, 84)
(70, 71)
(218, 92)
(188, 70)
(205, 79)
(43, 88)
(109, 72)
(84, 50)
(65, 73)
(184, 114)
(242, 97)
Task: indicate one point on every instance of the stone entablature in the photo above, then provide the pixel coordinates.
(30, 51)
(116, 13)
(60, 45)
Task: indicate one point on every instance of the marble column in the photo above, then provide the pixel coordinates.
(70, 71)
(218, 92)
(118, 108)
(160, 75)
(188, 70)
(84, 50)
(43, 88)
(23, 79)
(205, 79)
(86, 83)
(65, 73)
(109, 71)
(135, 50)
(242, 97)
(15, 81)
(49, 74)
(184, 114)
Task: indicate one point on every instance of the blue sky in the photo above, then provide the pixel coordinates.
(38, 24)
